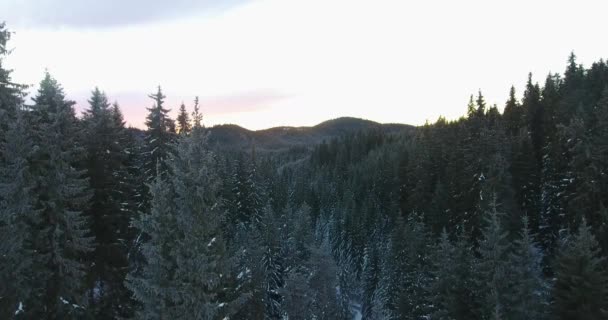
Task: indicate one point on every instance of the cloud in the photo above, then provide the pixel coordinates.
(107, 13)
(240, 102)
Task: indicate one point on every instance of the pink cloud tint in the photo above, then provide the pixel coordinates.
(134, 104)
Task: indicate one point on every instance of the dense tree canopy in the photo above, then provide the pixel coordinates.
(490, 216)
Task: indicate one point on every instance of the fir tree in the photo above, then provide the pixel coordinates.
(492, 268)
(513, 114)
(197, 116)
(534, 117)
(61, 232)
(183, 120)
(106, 143)
(186, 269)
(159, 135)
(451, 291)
(529, 299)
(11, 94)
(17, 211)
(581, 286)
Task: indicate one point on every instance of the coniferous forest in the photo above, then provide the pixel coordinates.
(496, 215)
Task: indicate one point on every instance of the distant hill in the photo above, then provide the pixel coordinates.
(280, 138)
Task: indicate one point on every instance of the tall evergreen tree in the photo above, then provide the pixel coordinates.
(197, 116)
(17, 211)
(492, 268)
(534, 117)
(451, 292)
(11, 94)
(186, 267)
(159, 135)
(581, 286)
(529, 297)
(513, 114)
(107, 164)
(61, 235)
(183, 120)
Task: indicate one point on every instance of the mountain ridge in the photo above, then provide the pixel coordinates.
(282, 137)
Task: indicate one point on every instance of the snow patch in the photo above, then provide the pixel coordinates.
(19, 308)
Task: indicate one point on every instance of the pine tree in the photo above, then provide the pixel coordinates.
(272, 265)
(526, 176)
(534, 117)
(11, 94)
(513, 114)
(581, 286)
(61, 232)
(572, 91)
(106, 143)
(186, 268)
(599, 154)
(246, 206)
(439, 213)
(159, 135)
(451, 292)
(183, 120)
(16, 198)
(197, 117)
(151, 286)
(529, 299)
(370, 279)
(409, 268)
(492, 268)
(16, 213)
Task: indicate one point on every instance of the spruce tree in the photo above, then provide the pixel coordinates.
(600, 158)
(581, 286)
(492, 268)
(197, 116)
(11, 94)
(16, 198)
(451, 291)
(158, 136)
(271, 265)
(370, 279)
(17, 211)
(534, 117)
(183, 120)
(513, 114)
(61, 235)
(106, 145)
(529, 297)
(186, 269)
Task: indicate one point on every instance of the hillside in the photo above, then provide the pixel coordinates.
(278, 138)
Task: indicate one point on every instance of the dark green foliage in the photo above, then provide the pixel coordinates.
(581, 286)
(379, 221)
(107, 145)
(451, 291)
(159, 135)
(16, 214)
(11, 94)
(197, 116)
(183, 120)
(530, 291)
(61, 236)
(492, 268)
(186, 266)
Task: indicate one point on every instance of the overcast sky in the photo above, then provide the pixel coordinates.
(278, 62)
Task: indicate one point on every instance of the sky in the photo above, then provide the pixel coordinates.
(266, 63)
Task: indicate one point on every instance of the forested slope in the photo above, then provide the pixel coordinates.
(491, 216)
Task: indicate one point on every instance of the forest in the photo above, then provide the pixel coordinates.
(496, 215)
